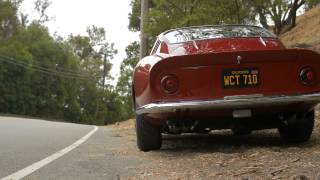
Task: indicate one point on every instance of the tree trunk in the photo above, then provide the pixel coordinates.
(290, 21)
(143, 36)
(238, 11)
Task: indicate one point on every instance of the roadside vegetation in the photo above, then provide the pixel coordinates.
(47, 76)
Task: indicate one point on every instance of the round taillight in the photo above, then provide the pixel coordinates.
(170, 84)
(308, 76)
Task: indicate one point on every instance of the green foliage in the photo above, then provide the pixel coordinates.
(282, 13)
(164, 14)
(91, 49)
(124, 85)
(8, 19)
(134, 16)
(55, 78)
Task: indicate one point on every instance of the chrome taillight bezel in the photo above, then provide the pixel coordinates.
(304, 73)
(167, 90)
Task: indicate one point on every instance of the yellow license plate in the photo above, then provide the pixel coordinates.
(240, 78)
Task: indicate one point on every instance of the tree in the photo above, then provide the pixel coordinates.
(41, 6)
(50, 77)
(143, 35)
(164, 14)
(124, 85)
(94, 52)
(35, 81)
(9, 22)
(282, 13)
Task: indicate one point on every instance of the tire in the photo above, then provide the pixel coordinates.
(298, 129)
(148, 136)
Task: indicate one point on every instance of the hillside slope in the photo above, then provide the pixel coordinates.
(307, 32)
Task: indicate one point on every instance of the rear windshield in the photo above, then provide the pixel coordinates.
(212, 32)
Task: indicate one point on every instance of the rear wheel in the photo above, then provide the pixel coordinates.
(298, 128)
(148, 135)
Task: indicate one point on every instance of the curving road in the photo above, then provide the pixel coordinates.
(111, 153)
(24, 142)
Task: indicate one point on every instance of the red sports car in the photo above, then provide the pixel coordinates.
(237, 77)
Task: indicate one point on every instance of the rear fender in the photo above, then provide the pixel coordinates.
(141, 80)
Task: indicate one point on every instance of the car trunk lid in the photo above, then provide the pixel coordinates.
(201, 76)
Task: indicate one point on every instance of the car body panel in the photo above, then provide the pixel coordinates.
(199, 66)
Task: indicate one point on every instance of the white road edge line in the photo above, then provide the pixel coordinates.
(36, 166)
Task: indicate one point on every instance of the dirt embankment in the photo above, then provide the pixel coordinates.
(306, 34)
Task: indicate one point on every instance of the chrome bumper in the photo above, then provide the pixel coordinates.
(230, 102)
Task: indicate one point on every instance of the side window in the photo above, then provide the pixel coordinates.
(155, 47)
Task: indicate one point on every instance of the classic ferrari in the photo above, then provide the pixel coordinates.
(237, 77)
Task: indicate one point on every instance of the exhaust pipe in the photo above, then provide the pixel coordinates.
(182, 126)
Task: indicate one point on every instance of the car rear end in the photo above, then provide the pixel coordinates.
(230, 80)
(243, 88)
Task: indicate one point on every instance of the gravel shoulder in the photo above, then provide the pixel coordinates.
(111, 153)
(221, 155)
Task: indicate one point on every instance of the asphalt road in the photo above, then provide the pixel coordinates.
(111, 153)
(24, 142)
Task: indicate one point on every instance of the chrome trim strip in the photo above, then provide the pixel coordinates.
(240, 102)
(250, 96)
